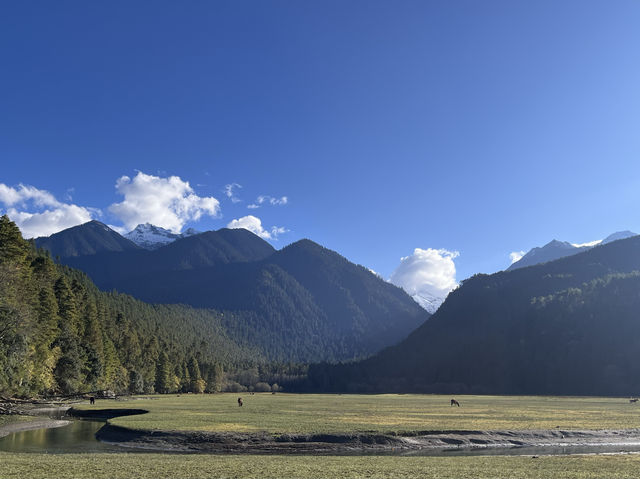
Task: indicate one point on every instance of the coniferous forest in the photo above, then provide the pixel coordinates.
(60, 335)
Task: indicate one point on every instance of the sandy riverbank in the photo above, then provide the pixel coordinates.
(37, 423)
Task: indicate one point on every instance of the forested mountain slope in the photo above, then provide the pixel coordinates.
(302, 303)
(571, 326)
(59, 333)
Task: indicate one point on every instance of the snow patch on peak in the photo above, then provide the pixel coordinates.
(618, 235)
(149, 236)
(428, 301)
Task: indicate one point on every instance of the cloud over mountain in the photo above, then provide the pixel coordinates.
(428, 275)
(254, 224)
(38, 213)
(516, 256)
(166, 202)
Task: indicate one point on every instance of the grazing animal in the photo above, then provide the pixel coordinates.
(92, 400)
(240, 402)
(455, 403)
(633, 400)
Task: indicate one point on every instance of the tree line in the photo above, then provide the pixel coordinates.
(60, 335)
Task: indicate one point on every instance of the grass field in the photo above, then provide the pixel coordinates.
(289, 413)
(304, 414)
(142, 466)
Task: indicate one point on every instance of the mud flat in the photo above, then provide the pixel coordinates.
(238, 443)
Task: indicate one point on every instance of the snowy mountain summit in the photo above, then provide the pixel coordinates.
(559, 249)
(428, 301)
(149, 236)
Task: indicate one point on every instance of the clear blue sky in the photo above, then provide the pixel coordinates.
(482, 127)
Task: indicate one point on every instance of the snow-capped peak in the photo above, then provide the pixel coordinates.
(150, 236)
(618, 235)
(430, 302)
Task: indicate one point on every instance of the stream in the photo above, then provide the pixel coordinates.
(77, 437)
(80, 437)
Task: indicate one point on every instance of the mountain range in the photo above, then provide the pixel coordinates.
(559, 249)
(568, 326)
(301, 303)
(561, 326)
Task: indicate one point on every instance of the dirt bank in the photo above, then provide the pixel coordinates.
(39, 423)
(233, 443)
(264, 443)
(103, 413)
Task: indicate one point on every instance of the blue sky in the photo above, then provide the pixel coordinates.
(474, 127)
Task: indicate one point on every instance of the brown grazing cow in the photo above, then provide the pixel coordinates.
(240, 402)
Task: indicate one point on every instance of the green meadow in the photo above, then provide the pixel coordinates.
(392, 413)
(152, 466)
(292, 413)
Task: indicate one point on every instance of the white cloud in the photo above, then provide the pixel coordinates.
(428, 275)
(270, 200)
(119, 229)
(24, 194)
(516, 256)
(254, 225)
(39, 213)
(228, 190)
(165, 202)
(589, 244)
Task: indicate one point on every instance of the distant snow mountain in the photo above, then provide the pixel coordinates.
(149, 236)
(428, 301)
(559, 249)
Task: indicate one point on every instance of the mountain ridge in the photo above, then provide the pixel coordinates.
(85, 239)
(301, 303)
(564, 327)
(555, 249)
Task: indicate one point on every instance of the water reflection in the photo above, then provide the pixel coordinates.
(79, 436)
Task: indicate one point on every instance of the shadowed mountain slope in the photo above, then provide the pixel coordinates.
(302, 303)
(570, 326)
(86, 239)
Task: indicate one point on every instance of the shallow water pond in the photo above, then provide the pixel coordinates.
(79, 436)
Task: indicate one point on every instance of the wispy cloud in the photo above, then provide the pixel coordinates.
(269, 200)
(229, 190)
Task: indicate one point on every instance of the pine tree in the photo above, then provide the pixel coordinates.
(197, 384)
(163, 374)
(215, 377)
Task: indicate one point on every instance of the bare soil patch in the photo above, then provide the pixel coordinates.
(238, 443)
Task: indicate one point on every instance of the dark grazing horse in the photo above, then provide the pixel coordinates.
(455, 403)
(240, 402)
